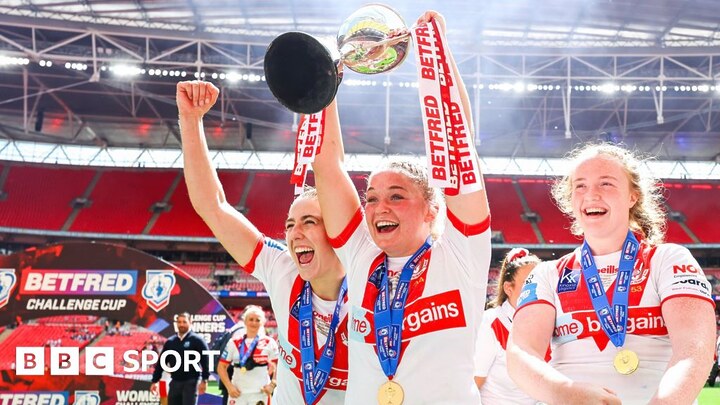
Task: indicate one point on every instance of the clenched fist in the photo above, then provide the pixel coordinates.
(195, 97)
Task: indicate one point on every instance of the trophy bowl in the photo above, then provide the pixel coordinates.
(304, 77)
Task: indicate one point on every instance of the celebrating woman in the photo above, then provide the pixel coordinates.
(251, 353)
(305, 280)
(415, 295)
(631, 318)
(491, 376)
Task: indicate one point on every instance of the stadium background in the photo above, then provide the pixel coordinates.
(89, 144)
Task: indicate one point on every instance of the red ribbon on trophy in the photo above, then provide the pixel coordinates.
(452, 160)
(307, 146)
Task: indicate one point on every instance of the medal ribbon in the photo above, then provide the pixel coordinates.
(307, 146)
(452, 160)
(389, 316)
(612, 318)
(245, 353)
(315, 373)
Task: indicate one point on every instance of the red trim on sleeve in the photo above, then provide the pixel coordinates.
(249, 268)
(706, 299)
(468, 230)
(340, 240)
(224, 361)
(533, 303)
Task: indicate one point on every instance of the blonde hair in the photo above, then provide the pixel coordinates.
(254, 309)
(513, 261)
(646, 216)
(418, 175)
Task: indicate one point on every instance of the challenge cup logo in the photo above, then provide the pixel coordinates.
(157, 288)
(7, 283)
(87, 398)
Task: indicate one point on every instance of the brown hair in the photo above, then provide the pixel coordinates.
(514, 260)
(646, 216)
(418, 175)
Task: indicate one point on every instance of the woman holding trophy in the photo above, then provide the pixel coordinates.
(416, 293)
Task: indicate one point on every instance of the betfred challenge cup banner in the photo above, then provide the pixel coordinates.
(75, 301)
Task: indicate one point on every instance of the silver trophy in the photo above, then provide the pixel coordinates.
(304, 77)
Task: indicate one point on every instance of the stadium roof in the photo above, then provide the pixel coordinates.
(542, 75)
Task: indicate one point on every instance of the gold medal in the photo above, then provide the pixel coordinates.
(390, 393)
(243, 369)
(626, 362)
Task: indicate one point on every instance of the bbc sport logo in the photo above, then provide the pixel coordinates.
(65, 361)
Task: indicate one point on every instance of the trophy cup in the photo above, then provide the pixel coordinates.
(302, 74)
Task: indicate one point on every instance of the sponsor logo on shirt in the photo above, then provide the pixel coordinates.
(424, 315)
(271, 243)
(688, 278)
(434, 313)
(528, 294)
(568, 280)
(580, 325)
(685, 269)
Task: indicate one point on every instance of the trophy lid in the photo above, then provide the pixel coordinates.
(300, 72)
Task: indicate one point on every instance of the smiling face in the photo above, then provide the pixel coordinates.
(398, 216)
(307, 241)
(602, 198)
(253, 322)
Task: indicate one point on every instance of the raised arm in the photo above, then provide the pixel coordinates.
(469, 208)
(338, 198)
(693, 344)
(231, 228)
(529, 340)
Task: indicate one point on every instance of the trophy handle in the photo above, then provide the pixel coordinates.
(301, 72)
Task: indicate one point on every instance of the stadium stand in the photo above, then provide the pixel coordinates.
(121, 201)
(181, 219)
(40, 197)
(268, 202)
(554, 225)
(506, 210)
(697, 202)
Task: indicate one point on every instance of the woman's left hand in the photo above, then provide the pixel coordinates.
(433, 15)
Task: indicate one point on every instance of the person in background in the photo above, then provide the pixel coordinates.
(186, 382)
(251, 354)
(631, 318)
(491, 376)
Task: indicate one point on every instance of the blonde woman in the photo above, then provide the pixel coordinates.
(630, 317)
(252, 355)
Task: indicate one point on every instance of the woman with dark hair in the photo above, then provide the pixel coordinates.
(304, 278)
(491, 375)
